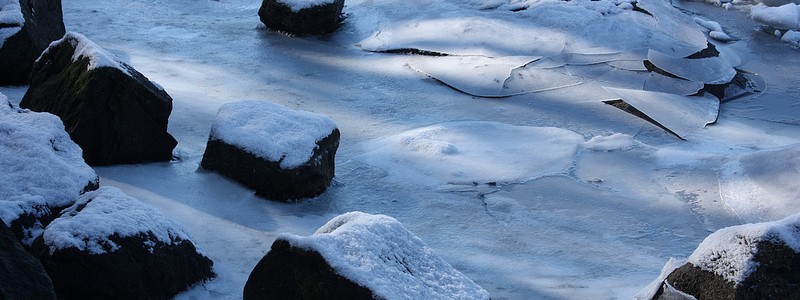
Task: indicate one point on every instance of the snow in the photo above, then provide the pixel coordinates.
(729, 252)
(617, 141)
(85, 48)
(792, 38)
(379, 253)
(786, 16)
(11, 19)
(651, 289)
(467, 152)
(40, 164)
(271, 131)
(297, 5)
(98, 215)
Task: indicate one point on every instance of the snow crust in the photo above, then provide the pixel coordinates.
(479, 151)
(98, 215)
(85, 48)
(786, 16)
(39, 165)
(297, 5)
(271, 131)
(11, 19)
(379, 253)
(617, 141)
(729, 252)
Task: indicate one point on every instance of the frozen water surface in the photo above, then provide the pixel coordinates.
(600, 227)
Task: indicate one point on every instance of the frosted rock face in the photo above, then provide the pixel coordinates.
(111, 246)
(41, 170)
(26, 28)
(282, 153)
(301, 16)
(752, 261)
(357, 256)
(112, 111)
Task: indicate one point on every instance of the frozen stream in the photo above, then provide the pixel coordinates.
(596, 221)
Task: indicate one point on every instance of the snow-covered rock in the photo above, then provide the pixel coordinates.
(112, 111)
(785, 17)
(21, 42)
(41, 170)
(357, 256)
(752, 261)
(792, 38)
(301, 16)
(21, 274)
(109, 245)
(282, 153)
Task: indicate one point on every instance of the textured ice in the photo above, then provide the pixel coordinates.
(475, 75)
(379, 253)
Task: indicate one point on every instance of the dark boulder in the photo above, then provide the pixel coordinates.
(281, 153)
(112, 111)
(42, 23)
(357, 256)
(301, 17)
(111, 246)
(21, 275)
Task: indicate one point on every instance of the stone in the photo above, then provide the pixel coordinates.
(24, 36)
(111, 246)
(357, 256)
(301, 17)
(21, 274)
(41, 170)
(112, 111)
(283, 154)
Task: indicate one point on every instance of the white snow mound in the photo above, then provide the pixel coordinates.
(40, 165)
(297, 5)
(379, 253)
(729, 252)
(85, 48)
(782, 17)
(97, 215)
(474, 151)
(271, 131)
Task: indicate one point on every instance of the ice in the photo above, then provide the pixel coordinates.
(297, 5)
(660, 83)
(681, 115)
(711, 70)
(617, 141)
(782, 17)
(475, 75)
(651, 289)
(467, 152)
(98, 215)
(271, 131)
(85, 48)
(379, 253)
(532, 79)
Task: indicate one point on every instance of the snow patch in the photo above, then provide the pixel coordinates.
(85, 48)
(297, 5)
(98, 215)
(617, 141)
(467, 152)
(271, 131)
(377, 252)
(792, 38)
(785, 17)
(651, 289)
(729, 252)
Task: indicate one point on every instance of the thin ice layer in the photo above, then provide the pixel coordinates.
(475, 75)
(98, 215)
(379, 253)
(681, 115)
(271, 131)
(711, 70)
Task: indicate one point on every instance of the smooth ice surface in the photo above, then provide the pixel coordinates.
(659, 83)
(85, 48)
(682, 115)
(39, 165)
(271, 131)
(467, 152)
(729, 252)
(108, 211)
(782, 17)
(711, 70)
(297, 5)
(11, 19)
(379, 253)
(475, 75)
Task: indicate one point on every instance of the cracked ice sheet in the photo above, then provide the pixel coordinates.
(711, 70)
(680, 114)
(467, 152)
(474, 75)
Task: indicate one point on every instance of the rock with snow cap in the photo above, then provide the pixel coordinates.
(283, 154)
(21, 274)
(26, 28)
(41, 170)
(111, 246)
(752, 261)
(112, 111)
(357, 256)
(301, 16)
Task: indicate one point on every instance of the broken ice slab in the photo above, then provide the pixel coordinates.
(609, 75)
(465, 36)
(660, 83)
(680, 115)
(683, 37)
(475, 75)
(533, 79)
(710, 70)
(629, 65)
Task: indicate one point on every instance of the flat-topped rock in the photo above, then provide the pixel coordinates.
(26, 29)
(357, 256)
(301, 16)
(112, 111)
(283, 154)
